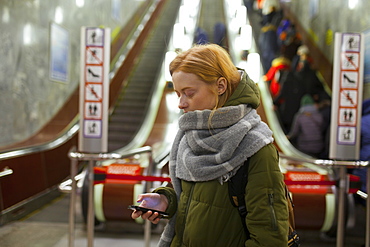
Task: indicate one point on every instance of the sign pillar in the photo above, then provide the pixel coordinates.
(94, 89)
(347, 96)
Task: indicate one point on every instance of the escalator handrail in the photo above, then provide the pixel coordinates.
(108, 156)
(327, 162)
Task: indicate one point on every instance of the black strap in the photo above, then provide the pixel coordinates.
(237, 186)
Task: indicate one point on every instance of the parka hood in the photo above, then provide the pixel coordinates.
(246, 92)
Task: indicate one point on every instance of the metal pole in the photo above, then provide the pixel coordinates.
(367, 240)
(72, 204)
(147, 233)
(90, 211)
(342, 191)
(92, 158)
(148, 229)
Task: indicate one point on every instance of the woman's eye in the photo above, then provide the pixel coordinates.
(189, 94)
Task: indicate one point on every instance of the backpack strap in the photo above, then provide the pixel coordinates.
(237, 186)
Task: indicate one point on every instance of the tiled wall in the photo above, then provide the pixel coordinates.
(28, 97)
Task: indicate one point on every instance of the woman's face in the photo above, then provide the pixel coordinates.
(194, 94)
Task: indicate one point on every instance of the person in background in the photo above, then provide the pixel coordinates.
(201, 36)
(219, 130)
(278, 66)
(267, 42)
(324, 101)
(219, 34)
(286, 101)
(289, 39)
(271, 12)
(306, 131)
(301, 58)
(365, 143)
(305, 73)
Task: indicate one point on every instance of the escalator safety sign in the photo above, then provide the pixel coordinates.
(94, 89)
(92, 128)
(347, 95)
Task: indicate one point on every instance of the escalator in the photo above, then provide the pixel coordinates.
(211, 13)
(133, 104)
(143, 48)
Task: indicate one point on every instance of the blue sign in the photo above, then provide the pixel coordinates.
(59, 53)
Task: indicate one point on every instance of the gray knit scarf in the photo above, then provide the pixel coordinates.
(202, 151)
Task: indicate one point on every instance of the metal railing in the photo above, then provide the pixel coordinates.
(75, 157)
(92, 158)
(342, 191)
(6, 171)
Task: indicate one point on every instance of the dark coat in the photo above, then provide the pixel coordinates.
(307, 76)
(287, 101)
(365, 131)
(206, 217)
(307, 128)
(365, 142)
(268, 46)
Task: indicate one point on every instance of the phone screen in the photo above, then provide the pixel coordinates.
(133, 207)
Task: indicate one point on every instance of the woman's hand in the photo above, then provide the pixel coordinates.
(154, 201)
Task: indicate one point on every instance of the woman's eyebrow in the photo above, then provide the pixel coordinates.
(184, 88)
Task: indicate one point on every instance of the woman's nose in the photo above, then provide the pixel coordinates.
(182, 103)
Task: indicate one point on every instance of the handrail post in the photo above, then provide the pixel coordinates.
(342, 192)
(367, 240)
(90, 211)
(72, 204)
(148, 185)
(147, 233)
(92, 158)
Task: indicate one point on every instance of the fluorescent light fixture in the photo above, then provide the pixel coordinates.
(170, 55)
(352, 4)
(244, 40)
(27, 34)
(239, 12)
(80, 3)
(241, 15)
(6, 16)
(246, 36)
(253, 67)
(179, 35)
(58, 15)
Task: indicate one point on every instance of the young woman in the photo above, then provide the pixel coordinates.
(219, 130)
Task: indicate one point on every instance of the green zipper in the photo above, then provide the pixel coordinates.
(273, 215)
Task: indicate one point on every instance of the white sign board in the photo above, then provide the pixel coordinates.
(94, 89)
(347, 88)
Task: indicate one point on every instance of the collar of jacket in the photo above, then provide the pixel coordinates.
(246, 92)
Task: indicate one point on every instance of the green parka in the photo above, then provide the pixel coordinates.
(205, 215)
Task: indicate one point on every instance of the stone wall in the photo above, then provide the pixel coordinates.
(28, 97)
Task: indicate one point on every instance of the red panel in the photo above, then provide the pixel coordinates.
(57, 163)
(116, 199)
(309, 210)
(28, 179)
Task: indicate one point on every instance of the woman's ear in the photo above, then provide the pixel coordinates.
(221, 85)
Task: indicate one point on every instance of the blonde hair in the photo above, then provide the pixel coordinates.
(209, 62)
